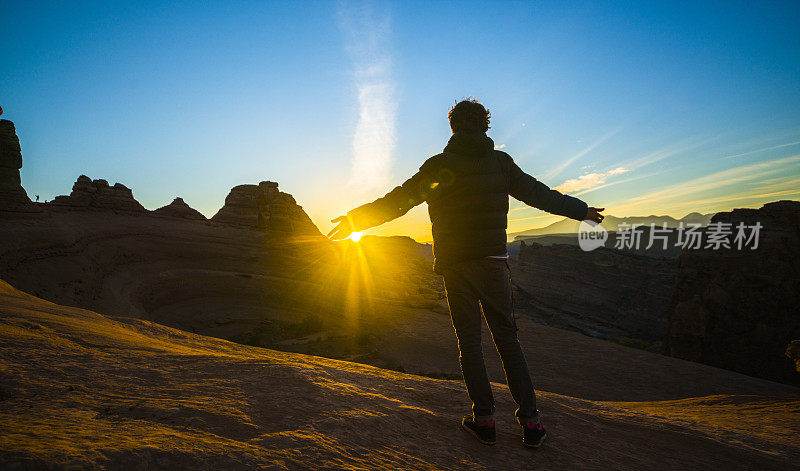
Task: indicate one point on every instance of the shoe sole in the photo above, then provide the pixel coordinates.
(541, 440)
(472, 432)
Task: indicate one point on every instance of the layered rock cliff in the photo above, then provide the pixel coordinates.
(12, 195)
(266, 208)
(738, 309)
(88, 193)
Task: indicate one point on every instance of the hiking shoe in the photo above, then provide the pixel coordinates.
(533, 434)
(484, 431)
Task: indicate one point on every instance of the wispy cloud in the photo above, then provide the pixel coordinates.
(589, 180)
(756, 196)
(593, 181)
(560, 168)
(597, 180)
(546, 216)
(764, 149)
(499, 147)
(669, 151)
(616, 182)
(763, 178)
(366, 39)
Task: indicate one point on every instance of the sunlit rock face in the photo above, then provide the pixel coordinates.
(266, 208)
(82, 390)
(88, 193)
(179, 209)
(738, 309)
(12, 195)
(260, 274)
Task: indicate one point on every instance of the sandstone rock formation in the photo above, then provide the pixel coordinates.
(266, 208)
(88, 193)
(179, 209)
(606, 293)
(738, 309)
(244, 285)
(12, 195)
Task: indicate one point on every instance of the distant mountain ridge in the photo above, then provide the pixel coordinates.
(611, 223)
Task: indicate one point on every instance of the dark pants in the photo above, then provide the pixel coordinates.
(485, 285)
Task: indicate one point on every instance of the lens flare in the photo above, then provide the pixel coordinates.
(356, 236)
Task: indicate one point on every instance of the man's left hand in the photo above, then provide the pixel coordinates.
(593, 214)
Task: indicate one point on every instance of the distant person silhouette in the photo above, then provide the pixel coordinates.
(467, 188)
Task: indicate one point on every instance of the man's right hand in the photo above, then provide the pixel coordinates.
(344, 228)
(593, 214)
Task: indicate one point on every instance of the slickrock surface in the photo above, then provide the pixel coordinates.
(249, 285)
(85, 390)
(738, 309)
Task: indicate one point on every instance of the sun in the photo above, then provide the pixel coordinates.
(356, 236)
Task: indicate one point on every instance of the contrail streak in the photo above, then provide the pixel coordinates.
(366, 38)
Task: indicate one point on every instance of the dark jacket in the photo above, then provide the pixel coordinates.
(467, 188)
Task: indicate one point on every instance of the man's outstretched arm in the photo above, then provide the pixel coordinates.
(391, 206)
(535, 193)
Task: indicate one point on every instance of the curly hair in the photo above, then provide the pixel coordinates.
(469, 116)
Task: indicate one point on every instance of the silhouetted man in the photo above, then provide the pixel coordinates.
(467, 188)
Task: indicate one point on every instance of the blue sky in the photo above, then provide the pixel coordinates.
(641, 108)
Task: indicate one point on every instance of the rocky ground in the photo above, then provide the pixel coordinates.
(370, 301)
(265, 288)
(84, 390)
